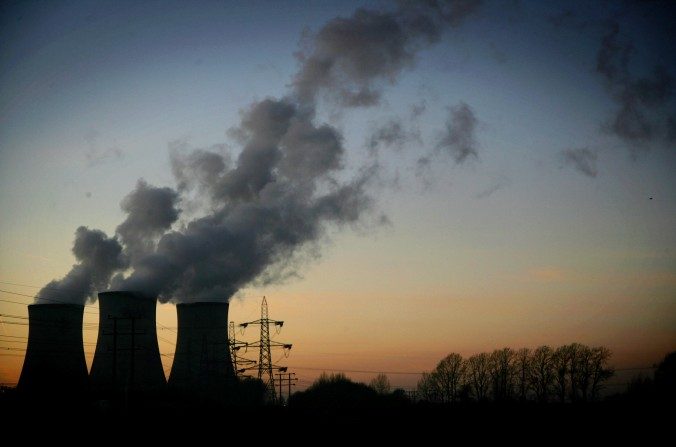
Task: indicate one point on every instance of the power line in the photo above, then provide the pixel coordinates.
(35, 296)
(356, 370)
(38, 287)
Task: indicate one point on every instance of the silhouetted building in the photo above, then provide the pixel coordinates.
(202, 362)
(55, 360)
(127, 356)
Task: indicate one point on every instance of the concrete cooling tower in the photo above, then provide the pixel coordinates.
(127, 356)
(55, 360)
(202, 362)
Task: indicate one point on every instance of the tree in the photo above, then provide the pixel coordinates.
(450, 373)
(381, 384)
(542, 373)
(502, 373)
(600, 371)
(428, 387)
(478, 375)
(522, 367)
(665, 378)
(580, 372)
(561, 364)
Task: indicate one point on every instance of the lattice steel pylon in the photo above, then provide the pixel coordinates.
(265, 345)
(265, 358)
(240, 364)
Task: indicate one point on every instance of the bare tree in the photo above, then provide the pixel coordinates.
(583, 371)
(575, 355)
(381, 384)
(478, 375)
(561, 364)
(451, 373)
(522, 367)
(600, 371)
(428, 387)
(502, 373)
(542, 373)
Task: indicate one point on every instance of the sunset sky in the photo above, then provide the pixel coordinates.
(522, 185)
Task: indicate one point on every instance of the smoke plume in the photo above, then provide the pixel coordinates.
(459, 138)
(262, 209)
(392, 134)
(643, 115)
(349, 58)
(98, 258)
(581, 159)
(150, 212)
(276, 198)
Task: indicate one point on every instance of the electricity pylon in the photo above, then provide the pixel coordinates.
(239, 363)
(265, 345)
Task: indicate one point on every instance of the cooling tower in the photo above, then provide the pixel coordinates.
(127, 356)
(202, 361)
(55, 360)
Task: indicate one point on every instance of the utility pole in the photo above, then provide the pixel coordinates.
(265, 366)
(289, 380)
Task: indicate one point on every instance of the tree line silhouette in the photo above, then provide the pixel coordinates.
(569, 373)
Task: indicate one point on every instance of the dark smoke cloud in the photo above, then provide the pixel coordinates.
(98, 258)
(643, 113)
(275, 200)
(499, 183)
(266, 209)
(459, 139)
(199, 168)
(581, 159)
(150, 212)
(392, 134)
(418, 109)
(349, 57)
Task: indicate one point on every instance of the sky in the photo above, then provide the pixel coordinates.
(500, 176)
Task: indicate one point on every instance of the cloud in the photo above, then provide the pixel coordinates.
(95, 155)
(392, 134)
(643, 114)
(268, 207)
(459, 137)
(496, 186)
(581, 159)
(418, 109)
(98, 258)
(349, 58)
(150, 212)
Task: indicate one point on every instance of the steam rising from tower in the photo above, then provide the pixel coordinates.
(264, 207)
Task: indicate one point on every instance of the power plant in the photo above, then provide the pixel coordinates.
(127, 356)
(55, 360)
(202, 360)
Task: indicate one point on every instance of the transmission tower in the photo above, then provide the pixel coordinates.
(239, 363)
(265, 345)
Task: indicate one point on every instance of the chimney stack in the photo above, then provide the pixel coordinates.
(202, 364)
(55, 361)
(127, 355)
